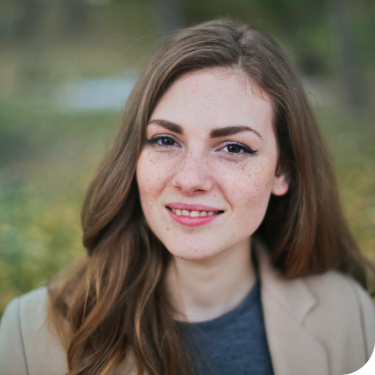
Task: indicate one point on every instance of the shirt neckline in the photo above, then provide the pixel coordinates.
(229, 315)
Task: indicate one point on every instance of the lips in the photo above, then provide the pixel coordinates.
(192, 207)
(192, 214)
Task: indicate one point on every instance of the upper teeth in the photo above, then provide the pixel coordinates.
(193, 213)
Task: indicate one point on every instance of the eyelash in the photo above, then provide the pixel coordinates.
(244, 148)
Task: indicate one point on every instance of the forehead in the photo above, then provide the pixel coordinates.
(215, 97)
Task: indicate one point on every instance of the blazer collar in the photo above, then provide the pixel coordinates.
(286, 304)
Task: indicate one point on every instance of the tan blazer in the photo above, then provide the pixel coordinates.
(316, 325)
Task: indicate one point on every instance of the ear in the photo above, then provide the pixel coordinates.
(280, 184)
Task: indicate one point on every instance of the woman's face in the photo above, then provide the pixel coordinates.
(207, 170)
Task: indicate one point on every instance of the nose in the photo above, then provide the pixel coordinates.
(192, 175)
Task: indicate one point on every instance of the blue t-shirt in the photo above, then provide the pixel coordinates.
(234, 343)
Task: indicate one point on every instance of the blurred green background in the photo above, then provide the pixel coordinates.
(67, 66)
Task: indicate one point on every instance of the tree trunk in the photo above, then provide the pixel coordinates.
(29, 17)
(169, 15)
(74, 15)
(350, 74)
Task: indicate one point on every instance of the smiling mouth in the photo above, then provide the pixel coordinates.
(190, 213)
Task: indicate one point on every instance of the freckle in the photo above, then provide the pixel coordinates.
(167, 228)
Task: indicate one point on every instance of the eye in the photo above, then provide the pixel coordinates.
(235, 149)
(162, 140)
(238, 148)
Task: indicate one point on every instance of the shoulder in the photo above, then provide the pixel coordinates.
(340, 291)
(24, 326)
(28, 312)
(351, 311)
(32, 306)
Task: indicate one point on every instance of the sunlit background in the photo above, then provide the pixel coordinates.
(67, 67)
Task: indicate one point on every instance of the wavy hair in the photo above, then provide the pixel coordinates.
(112, 308)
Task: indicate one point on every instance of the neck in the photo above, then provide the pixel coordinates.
(204, 289)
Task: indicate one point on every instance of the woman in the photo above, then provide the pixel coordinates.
(215, 239)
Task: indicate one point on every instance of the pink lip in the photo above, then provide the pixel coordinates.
(192, 221)
(192, 207)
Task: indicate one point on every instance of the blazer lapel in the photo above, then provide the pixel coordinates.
(294, 350)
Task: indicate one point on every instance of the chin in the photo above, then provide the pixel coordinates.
(191, 252)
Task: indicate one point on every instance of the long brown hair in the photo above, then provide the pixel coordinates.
(113, 305)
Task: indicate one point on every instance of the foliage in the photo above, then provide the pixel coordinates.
(41, 192)
(351, 140)
(47, 157)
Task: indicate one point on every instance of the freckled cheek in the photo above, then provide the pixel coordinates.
(250, 185)
(149, 175)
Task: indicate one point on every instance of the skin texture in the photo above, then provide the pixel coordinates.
(211, 270)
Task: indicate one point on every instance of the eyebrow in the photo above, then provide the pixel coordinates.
(214, 133)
